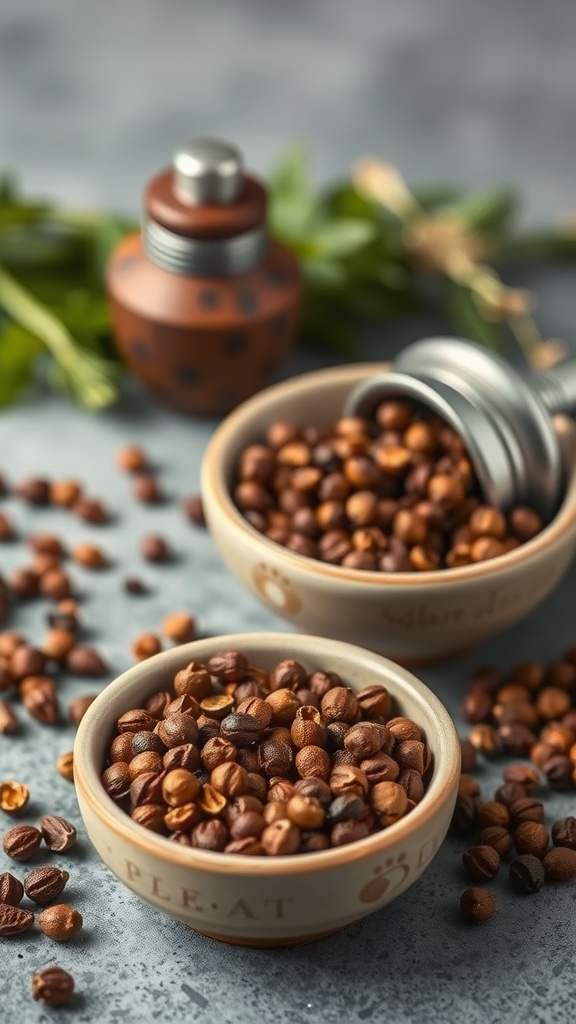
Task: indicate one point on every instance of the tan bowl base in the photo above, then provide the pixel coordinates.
(298, 940)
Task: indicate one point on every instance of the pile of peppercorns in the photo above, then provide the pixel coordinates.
(532, 714)
(235, 759)
(396, 494)
(31, 672)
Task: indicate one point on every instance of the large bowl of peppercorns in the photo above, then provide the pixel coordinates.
(375, 532)
(267, 789)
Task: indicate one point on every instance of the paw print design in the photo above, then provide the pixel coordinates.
(387, 876)
(275, 589)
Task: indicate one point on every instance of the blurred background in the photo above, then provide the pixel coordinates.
(95, 96)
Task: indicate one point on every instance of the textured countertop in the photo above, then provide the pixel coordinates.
(93, 98)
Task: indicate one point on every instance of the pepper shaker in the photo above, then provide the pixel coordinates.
(204, 304)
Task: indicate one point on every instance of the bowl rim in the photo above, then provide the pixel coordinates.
(214, 486)
(441, 786)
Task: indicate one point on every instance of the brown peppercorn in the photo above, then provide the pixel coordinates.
(485, 739)
(83, 660)
(55, 584)
(509, 792)
(40, 699)
(349, 831)
(375, 701)
(194, 510)
(526, 809)
(477, 705)
(339, 705)
(558, 771)
(527, 873)
(389, 801)
(57, 643)
(230, 779)
(308, 727)
(516, 739)
(154, 548)
(564, 833)
(34, 490)
(285, 706)
(558, 736)
(493, 813)
(60, 922)
(524, 523)
(497, 837)
(478, 904)
(23, 584)
(131, 458)
(91, 510)
(147, 490)
(116, 780)
(179, 627)
(147, 761)
(552, 703)
(280, 838)
(43, 884)
(146, 789)
(26, 661)
(524, 774)
(14, 796)
(481, 863)
(210, 835)
(58, 833)
(65, 766)
(531, 837)
(348, 779)
(194, 679)
(305, 811)
(11, 889)
(52, 986)
(146, 646)
(8, 721)
(366, 738)
(313, 762)
(88, 555)
(180, 787)
(560, 864)
(65, 493)
(150, 816)
(211, 800)
(14, 920)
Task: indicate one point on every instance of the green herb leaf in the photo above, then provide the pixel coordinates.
(340, 238)
(292, 205)
(87, 376)
(18, 352)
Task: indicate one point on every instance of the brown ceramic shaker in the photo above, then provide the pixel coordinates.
(204, 304)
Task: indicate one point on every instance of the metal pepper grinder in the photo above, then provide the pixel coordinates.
(503, 416)
(204, 304)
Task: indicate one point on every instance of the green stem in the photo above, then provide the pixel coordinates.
(88, 376)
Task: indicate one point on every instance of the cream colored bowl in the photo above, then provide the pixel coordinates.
(268, 901)
(414, 618)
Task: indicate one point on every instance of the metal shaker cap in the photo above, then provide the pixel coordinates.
(208, 171)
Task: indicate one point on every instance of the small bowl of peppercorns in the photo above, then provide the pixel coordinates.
(267, 789)
(375, 531)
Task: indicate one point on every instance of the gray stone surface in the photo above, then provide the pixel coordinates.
(92, 99)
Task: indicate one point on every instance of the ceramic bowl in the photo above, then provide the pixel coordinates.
(268, 901)
(414, 618)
